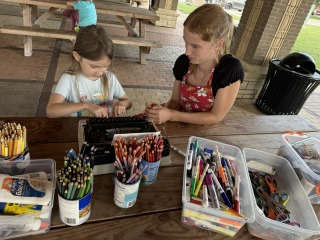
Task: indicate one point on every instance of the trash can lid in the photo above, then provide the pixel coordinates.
(299, 62)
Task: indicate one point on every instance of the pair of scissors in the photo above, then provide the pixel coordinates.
(281, 198)
(268, 208)
(271, 182)
(257, 180)
(284, 218)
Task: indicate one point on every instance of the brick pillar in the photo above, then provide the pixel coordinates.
(167, 11)
(267, 30)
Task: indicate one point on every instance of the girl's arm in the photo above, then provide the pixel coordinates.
(122, 105)
(224, 100)
(58, 107)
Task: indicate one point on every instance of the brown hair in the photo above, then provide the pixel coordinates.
(93, 43)
(211, 23)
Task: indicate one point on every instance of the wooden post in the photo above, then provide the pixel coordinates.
(26, 13)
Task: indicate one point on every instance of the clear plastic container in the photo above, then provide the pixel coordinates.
(299, 205)
(29, 222)
(308, 177)
(211, 218)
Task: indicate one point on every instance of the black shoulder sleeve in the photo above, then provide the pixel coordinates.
(228, 71)
(181, 67)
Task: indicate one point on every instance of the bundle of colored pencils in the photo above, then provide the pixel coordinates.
(130, 153)
(13, 139)
(128, 159)
(154, 147)
(74, 179)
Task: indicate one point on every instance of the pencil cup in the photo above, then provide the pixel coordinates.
(149, 174)
(75, 212)
(125, 195)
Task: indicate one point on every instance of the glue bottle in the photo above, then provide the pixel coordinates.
(23, 223)
(14, 189)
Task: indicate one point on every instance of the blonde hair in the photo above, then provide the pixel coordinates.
(92, 43)
(211, 23)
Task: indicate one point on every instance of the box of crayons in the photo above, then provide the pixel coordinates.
(216, 192)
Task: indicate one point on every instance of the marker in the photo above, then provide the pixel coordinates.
(236, 194)
(195, 170)
(205, 202)
(212, 192)
(220, 189)
(204, 172)
(190, 155)
(221, 175)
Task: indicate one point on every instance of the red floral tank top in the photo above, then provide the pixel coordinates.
(196, 98)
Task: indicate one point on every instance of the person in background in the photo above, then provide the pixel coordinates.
(207, 77)
(84, 14)
(89, 89)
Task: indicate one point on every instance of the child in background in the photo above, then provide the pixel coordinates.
(84, 14)
(89, 89)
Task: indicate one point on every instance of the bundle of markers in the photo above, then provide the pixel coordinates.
(130, 153)
(13, 140)
(214, 180)
(75, 178)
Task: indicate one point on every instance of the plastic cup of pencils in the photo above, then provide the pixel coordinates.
(125, 194)
(149, 174)
(75, 211)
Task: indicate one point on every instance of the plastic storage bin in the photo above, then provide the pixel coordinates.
(309, 179)
(299, 205)
(40, 221)
(214, 219)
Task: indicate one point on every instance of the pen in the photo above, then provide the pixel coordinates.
(227, 183)
(212, 192)
(204, 172)
(220, 189)
(236, 194)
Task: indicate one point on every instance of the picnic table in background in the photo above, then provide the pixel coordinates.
(32, 22)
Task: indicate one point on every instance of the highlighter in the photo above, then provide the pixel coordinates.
(195, 170)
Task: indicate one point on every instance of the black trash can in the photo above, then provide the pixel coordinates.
(288, 84)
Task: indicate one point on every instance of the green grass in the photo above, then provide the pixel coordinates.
(307, 40)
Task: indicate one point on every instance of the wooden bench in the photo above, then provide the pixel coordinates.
(144, 44)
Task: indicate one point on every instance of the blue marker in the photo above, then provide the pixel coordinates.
(220, 189)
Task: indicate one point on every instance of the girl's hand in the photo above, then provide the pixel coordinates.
(98, 111)
(118, 108)
(157, 113)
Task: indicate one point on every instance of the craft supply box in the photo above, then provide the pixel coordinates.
(31, 166)
(299, 205)
(308, 178)
(211, 218)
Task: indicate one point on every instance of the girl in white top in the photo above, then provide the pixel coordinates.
(89, 90)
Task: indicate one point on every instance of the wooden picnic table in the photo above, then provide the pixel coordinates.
(157, 212)
(32, 22)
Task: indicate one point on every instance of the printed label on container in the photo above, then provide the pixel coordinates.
(149, 175)
(125, 195)
(75, 212)
(24, 187)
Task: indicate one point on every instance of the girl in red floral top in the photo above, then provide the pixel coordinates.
(207, 77)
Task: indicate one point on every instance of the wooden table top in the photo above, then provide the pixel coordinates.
(157, 212)
(103, 7)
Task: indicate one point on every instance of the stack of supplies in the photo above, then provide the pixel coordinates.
(26, 200)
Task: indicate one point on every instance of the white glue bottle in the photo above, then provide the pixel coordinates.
(15, 189)
(21, 223)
